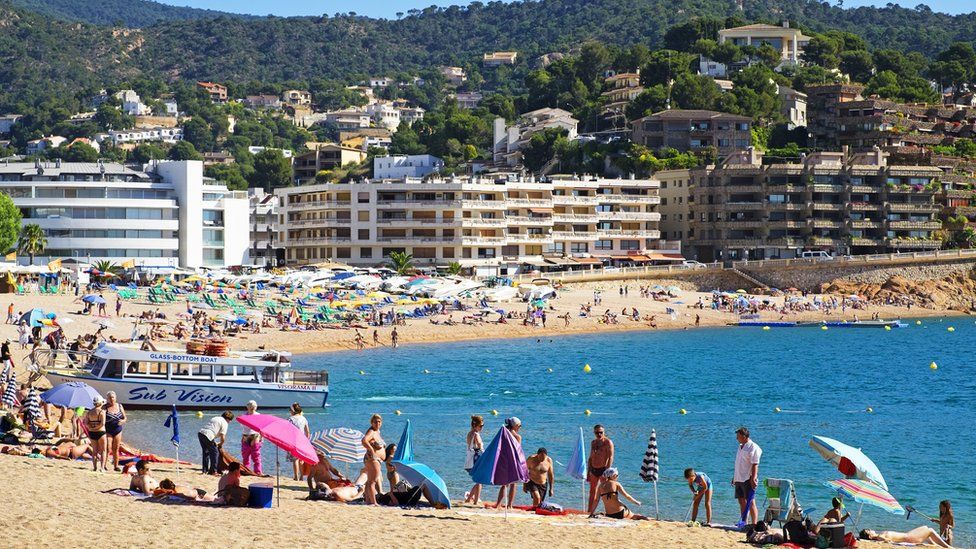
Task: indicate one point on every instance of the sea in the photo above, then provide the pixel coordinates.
(870, 388)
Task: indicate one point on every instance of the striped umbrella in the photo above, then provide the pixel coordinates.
(850, 461)
(5, 375)
(340, 444)
(865, 492)
(10, 394)
(32, 407)
(650, 468)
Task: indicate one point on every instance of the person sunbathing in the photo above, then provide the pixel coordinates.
(143, 481)
(324, 474)
(610, 491)
(69, 450)
(922, 535)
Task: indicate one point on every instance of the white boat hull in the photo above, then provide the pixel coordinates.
(139, 393)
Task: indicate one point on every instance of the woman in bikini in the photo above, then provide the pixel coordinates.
(923, 535)
(68, 449)
(610, 491)
(95, 423)
(375, 455)
(114, 422)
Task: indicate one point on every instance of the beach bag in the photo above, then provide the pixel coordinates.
(797, 532)
(850, 540)
(236, 496)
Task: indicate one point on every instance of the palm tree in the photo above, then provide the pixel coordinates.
(401, 262)
(32, 241)
(107, 267)
(454, 268)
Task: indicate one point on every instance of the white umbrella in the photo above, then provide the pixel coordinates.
(103, 323)
(650, 468)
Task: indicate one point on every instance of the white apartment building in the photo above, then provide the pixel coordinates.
(165, 215)
(793, 106)
(403, 165)
(509, 141)
(469, 100)
(788, 41)
(141, 135)
(348, 119)
(7, 122)
(493, 225)
(131, 103)
(385, 115)
(265, 249)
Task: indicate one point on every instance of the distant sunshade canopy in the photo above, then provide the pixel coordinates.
(503, 462)
(850, 461)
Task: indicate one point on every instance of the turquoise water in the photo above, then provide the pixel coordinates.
(920, 432)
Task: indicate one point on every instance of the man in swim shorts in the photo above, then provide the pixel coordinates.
(601, 458)
(540, 482)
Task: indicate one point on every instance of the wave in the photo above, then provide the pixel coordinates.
(395, 398)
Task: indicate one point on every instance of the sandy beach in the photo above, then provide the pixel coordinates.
(57, 493)
(570, 299)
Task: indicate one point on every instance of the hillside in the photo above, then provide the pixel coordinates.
(40, 53)
(128, 13)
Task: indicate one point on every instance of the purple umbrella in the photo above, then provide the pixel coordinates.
(502, 463)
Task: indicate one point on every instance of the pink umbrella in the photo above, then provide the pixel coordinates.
(283, 434)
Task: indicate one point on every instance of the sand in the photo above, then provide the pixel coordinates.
(423, 331)
(60, 504)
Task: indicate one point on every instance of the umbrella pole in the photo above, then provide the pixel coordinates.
(657, 511)
(278, 474)
(858, 521)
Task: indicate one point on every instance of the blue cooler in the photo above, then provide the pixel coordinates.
(260, 495)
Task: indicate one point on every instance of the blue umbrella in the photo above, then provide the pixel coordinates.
(33, 318)
(71, 395)
(419, 474)
(94, 299)
(173, 420)
(503, 462)
(576, 467)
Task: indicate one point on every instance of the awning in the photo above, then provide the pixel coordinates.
(534, 262)
(665, 257)
(588, 260)
(541, 210)
(560, 261)
(636, 258)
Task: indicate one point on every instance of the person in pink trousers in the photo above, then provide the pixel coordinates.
(251, 442)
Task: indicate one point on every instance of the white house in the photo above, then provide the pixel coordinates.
(401, 166)
(7, 121)
(141, 135)
(131, 103)
(38, 146)
(469, 100)
(509, 141)
(380, 82)
(385, 115)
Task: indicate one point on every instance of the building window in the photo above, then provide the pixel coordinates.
(603, 245)
(579, 247)
(664, 201)
(630, 244)
(486, 253)
(363, 234)
(365, 253)
(362, 216)
(343, 253)
(363, 198)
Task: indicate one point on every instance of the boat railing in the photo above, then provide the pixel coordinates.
(295, 377)
(43, 360)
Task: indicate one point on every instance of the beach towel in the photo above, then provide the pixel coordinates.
(126, 493)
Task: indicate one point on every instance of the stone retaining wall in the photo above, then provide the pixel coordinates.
(810, 278)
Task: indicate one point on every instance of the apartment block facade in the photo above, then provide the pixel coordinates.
(832, 201)
(492, 225)
(693, 130)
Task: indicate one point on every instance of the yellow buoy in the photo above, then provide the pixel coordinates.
(362, 373)
(682, 411)
(870, 409)
(586, 412)
(587, 368)
(765, 327)
(494, 412)
(918, 322)
(199, 414)
(887, 328)
(823, 328)
(777, 410)
(950, 329)
(934, 366)
(397, 412)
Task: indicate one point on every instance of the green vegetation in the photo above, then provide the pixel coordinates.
(129, 13)
(10, 218)
(32, 241)
(401, 262)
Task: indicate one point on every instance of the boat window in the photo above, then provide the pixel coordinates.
(196, 371)
(134, 368)
(243, 374)
(95, 364)
(113, 369)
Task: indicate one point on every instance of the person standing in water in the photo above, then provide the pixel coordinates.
(601, 459)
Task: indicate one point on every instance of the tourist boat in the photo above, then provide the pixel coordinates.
(161, 378)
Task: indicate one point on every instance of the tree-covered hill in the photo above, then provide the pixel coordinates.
(127, 13)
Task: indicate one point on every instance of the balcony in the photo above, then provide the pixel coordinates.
(630, 216)
(743, 206)
(415, 239)
(864, 207)
(320, 204)
(864, 224)
(628, 233)
(826, 207)
(864, 189)
(866, 242)
(786, 241)
(570, 200)
(529, 202)
(629, 199)
(412, 203)
(574, 235)
(916, 225)
(785, 224)
(788, 206)
(485, 240)
(742, 224)
(906, 207)
(483, 222)
(407, 222)
(823, 241)
(318, 240)
(913, 244)
(483, 204)
(528, 220)
(320, 222)
(825, 224)
(574, 218)
(825, 188)
(522, 238)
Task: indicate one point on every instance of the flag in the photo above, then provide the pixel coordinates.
(576, 467)
(54, 265)
(173, 420)
(129, 264)
(12, 256)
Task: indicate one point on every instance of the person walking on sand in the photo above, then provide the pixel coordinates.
(395, 339)
(251, 442)
(10, 314)
(601, 459)
(376, 338)
(212, 437)
(95, 423)
(701, 488)
(514, 425)
(541, 480)
(375, 456)
(474, 446)
(115, 419)
(297, 418)
(746, 474)
(360, 342)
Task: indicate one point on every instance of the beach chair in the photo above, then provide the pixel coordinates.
(781, 503)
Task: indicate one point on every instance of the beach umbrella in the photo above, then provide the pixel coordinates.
(5, 375)
(34, 318)
(173, 420)
(10, 393)
(866, 492)
(850, 461)
(285, 436)
(71, 395)
(340, 444)
(576, 466)
(419, 474)
(650, 468)
(503, 462)
(32, 406)
(103, 323)
(93, 299)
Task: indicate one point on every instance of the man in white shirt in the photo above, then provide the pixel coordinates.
(746, 476)
(212, 437)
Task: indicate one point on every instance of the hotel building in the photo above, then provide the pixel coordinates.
(490, 224)
(166, 215)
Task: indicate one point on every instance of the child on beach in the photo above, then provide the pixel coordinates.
(701, 487)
